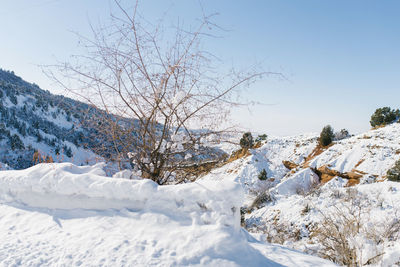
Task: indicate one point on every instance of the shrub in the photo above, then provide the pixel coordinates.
(68, 151)
(13, 99)
(261, 199)
(326, 136)
(342, 134)
(262, 175)
(261, 137)
(348, 236)
(393, 174)
(383, 116)
(246, 141)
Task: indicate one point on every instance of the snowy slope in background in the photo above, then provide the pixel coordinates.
(369, 155)
(293, 203)
(64, 215)
(372, 153)
(33, 120)
(270, 157)
(60, 129)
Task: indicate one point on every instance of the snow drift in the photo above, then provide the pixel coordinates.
(66, 186)
(64, 215)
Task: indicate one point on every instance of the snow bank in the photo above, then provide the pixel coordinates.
(66, 186)
(65, 215)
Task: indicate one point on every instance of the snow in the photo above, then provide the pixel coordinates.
(269, 157)
(373, 152)
(301, 181)
(296, 204)
(378, 210)
(60, 119)
(63, 215)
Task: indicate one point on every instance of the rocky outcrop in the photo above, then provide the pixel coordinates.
(289, 164)
(326, 174)
(241, 153)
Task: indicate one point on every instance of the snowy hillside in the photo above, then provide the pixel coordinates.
(310, 189)
(329, 202)
(65, 215)
(36, 126)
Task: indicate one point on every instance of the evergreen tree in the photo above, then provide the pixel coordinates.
(393, 174)
(261, 137)
(326, 136)
(67, 151)
(383, 116)
(262, 175)
(15, 142)
(246, 141)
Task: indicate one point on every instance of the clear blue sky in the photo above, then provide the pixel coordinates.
(341, 58)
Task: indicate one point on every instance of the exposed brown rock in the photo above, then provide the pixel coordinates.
(326, 174)
(359, 163)
(241, 153)
(289, 164)
(353, 182)
(353, 175)
(258, 145)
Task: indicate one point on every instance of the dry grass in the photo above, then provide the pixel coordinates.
(332, 234)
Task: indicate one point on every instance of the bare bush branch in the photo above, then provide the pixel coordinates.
(162, 95)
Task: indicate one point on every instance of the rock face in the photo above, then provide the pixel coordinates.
(289, 164)
(326, 174)
(241, 153)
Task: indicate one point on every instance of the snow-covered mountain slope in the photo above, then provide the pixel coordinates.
(37, 126)
(338, 187)
(369, 154)
(65, 215)
(33, 120)
(364, 157)
(270, 156)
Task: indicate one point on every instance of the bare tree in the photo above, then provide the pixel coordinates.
(163, 96)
